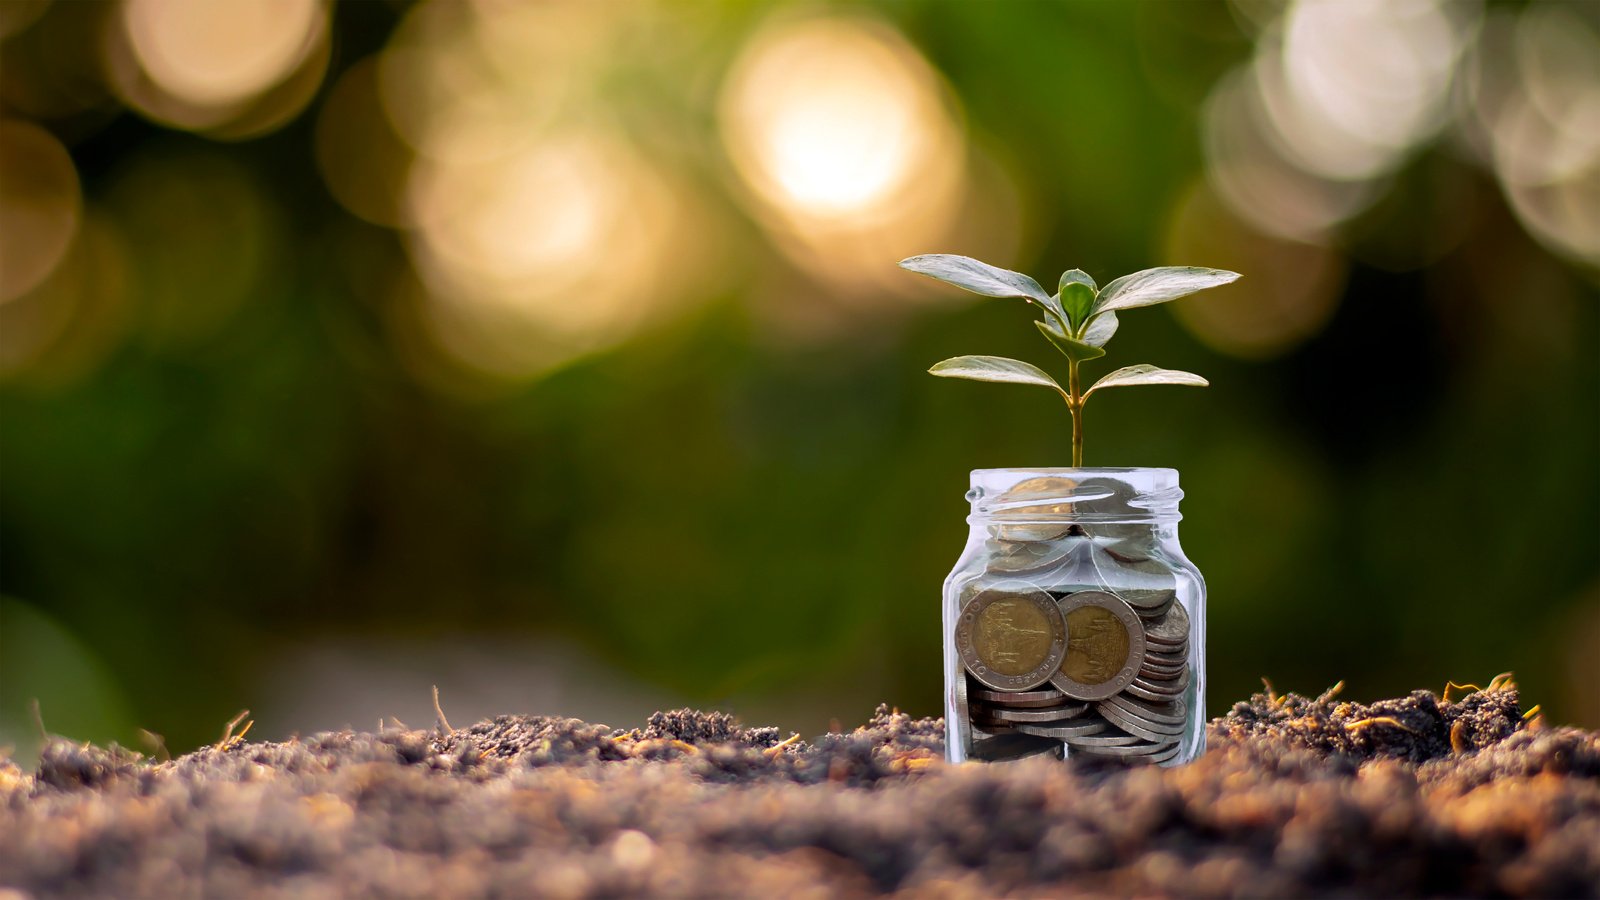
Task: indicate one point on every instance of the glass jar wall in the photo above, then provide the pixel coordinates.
(1073, 623)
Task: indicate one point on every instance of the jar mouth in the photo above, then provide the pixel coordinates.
(1074, 495)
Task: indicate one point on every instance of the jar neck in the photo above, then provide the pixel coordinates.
(1074, 496)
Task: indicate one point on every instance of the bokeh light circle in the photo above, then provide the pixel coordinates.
(845, 140)
(219, 53)
(40, 206)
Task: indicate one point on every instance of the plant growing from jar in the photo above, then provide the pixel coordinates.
(1074, 625)
(1079, 319)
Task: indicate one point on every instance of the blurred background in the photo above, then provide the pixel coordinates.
(554, 352)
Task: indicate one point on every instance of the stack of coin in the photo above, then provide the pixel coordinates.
(1102, 677)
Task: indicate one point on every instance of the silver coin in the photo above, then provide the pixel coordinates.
(1136, 688)
(1042, 697)
(1164, 685)
(1143, 748)
(1055, 714)
(1102, 497)
(1152, 613)
(1165, 663)
(1031, 532)
(1011, 637)
(1167, 754)
(1105, 646)
(982, 727)
(1147, 730)
(1102, 740)
(1016, 558)
(1169, 710)
(1171, 630)
(1062, 732)
(1142, 584)
(1015, 746)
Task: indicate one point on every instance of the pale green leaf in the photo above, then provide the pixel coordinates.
(1127, 376)
(997, 369)
(1153, 286)
(1100, 329)
(981, 278)
(1075, 350)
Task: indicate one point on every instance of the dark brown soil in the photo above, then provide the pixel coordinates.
(1295, 797)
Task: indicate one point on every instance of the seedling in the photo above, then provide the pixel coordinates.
(1078, 320)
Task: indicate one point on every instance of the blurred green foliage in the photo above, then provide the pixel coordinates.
(250, 460)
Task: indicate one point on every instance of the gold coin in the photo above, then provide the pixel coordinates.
(1105, 646)
(1011, 638)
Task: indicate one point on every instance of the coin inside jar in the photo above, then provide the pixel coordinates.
(1171, 630)
(1105, 647)
(1011, 637)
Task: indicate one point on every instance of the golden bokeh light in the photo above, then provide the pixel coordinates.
(40, 206)
(1533, 113)
(1362, 81)
(1250, 173)
(238, 68)
(1292, 290)
(362, 161)
(846, 141)
(219, 53)
(539, 257)
(71, 321)
(1339, 94)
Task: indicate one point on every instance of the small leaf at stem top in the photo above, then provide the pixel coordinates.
(1144, 373)
(981, 278)
(1153, 286)
(1075, 350)
(1077, 298)
(997, 369)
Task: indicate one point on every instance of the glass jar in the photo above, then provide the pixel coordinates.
(1073, 623)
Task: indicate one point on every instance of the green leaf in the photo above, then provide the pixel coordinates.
(1076, 350)
(1100, 329)
(1076, 296)
(1153, 286)
(981, 278)
(1127, 376)
(995, 368)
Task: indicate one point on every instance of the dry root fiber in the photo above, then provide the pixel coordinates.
(1295, 797)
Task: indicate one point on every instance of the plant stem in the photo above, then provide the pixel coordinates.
(1075, 405)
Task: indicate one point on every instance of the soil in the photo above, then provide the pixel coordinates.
(1295, 796)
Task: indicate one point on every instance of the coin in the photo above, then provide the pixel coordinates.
(1014, 557)
(1102, 740)
(1011, 637)
(1142, 584)
(1143, 729)
(1105, 646)
(1171, 630)
(1062, 732)
(1137, 688)
(1164, 685)
(1103, 498)
(1059, 713)
(1166, 712)
(1154, 671)
(1015, 746)
(1141, 752)
(1043, 697)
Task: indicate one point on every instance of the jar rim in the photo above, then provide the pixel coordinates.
(1074, 495)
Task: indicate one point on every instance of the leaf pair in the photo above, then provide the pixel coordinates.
(1079, 319)
(1079, 303)
(1014, 371)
